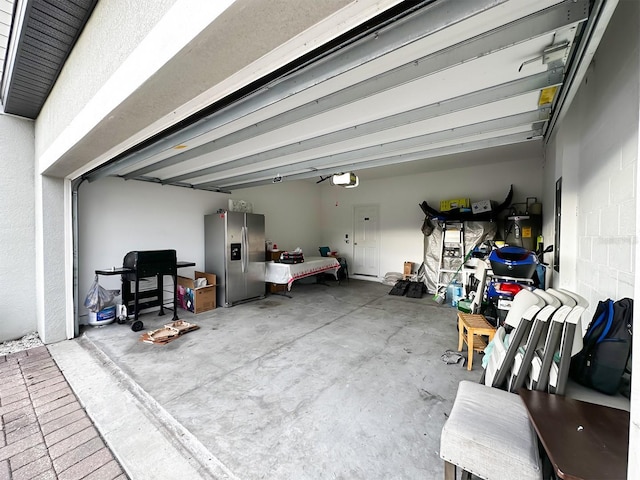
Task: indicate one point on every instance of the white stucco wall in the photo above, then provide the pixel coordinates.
(292, 214)
(595, 151)
(17, 228)
(51, 262)
(113, 31)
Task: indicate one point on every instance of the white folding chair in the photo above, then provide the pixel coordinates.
(563, 297)
(480, 275)
(501, 359)
(570, 345)
(548, 298)
(580, 300)
(541, 363)
(521, 302)
(497, 356)
(526, 353)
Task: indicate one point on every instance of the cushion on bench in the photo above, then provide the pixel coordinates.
(489, 434)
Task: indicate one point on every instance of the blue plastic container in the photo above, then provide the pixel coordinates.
(454, 293)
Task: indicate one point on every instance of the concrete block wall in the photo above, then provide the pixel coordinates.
(607, 198)
(17, 228)
(595, 151)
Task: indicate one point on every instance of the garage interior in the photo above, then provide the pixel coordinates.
(423, 101)
(385, 100)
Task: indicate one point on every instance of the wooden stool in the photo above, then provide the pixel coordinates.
(471, 328)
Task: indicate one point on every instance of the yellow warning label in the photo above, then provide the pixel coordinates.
(526, 232)
(547, 95)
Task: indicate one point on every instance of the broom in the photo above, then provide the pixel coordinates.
(440, 294)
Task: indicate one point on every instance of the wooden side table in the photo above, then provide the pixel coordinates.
(584, 441)
(471, 329)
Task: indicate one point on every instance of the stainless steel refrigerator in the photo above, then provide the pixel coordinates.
(234, 250)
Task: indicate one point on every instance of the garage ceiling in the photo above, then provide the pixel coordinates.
(452, 76)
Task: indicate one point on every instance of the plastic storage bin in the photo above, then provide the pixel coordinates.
(455, 293)
(104, 317)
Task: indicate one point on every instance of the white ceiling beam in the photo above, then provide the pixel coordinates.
(404, 158)
(482, 97)
(434, 17)
(390, 148)
(523, 29)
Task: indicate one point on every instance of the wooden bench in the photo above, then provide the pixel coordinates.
(471, 330)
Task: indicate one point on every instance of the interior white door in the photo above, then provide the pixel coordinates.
(365, 240)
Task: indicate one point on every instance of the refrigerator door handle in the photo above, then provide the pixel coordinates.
(244, 246)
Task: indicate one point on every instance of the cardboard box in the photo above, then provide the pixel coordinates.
(482, 206)
(277, 287)
(408, 267)
(446, 205)
(197, 300)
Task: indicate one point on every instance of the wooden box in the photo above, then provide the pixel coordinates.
(276, 287)
(408, 267)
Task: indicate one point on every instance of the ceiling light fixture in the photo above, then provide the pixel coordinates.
(355, 184)
(347, 180)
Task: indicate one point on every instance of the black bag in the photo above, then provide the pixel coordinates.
(342, 271)
(607, 347)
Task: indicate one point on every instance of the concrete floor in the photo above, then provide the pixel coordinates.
(340, 381)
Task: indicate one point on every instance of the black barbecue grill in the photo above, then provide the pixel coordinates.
(146, 264)
(140, 265)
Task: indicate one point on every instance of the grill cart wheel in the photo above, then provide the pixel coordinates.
(137, 326)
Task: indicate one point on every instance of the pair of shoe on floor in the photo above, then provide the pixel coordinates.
(408, 288)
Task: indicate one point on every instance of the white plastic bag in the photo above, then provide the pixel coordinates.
(98, 297)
